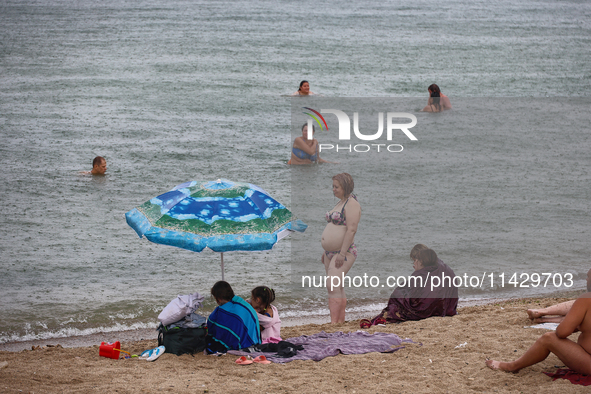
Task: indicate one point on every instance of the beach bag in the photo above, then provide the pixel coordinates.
(180, 307)
(179, 340)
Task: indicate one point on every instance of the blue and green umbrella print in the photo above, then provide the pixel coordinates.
(220, 215)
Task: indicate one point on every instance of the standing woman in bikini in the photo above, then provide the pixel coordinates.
(337, 242)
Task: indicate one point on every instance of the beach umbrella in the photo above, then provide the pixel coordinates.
(220, 215)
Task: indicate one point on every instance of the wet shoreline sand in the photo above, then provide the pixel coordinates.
(152, 334)
(448, 356)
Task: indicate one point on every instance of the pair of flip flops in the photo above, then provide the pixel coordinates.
(246, 360)
(366, 323)
(152, 354)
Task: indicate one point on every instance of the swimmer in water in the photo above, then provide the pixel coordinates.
(305, 151)
(99, 166)
(304, 89)
(443, 100)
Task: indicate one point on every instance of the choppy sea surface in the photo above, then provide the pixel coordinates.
(175, 91)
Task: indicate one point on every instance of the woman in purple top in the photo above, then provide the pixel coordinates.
(415, 301)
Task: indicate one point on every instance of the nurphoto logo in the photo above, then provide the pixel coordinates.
(344, 123)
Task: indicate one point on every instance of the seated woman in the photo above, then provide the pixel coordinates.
(305, 151)
(444, 102)
(304, 89)
(234, 324)
(575, 355)
(414, 301)
(261, 298)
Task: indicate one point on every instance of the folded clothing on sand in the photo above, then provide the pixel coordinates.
(319, 346)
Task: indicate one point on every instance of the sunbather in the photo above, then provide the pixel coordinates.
(555, 313)
(575, 355)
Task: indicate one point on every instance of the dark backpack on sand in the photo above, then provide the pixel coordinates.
(179, 340)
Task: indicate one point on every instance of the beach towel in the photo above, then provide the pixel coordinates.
(322, 345)
(233, 325)
(572, 376)
(545, 326)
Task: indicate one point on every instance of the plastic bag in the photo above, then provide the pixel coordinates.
(180, 307)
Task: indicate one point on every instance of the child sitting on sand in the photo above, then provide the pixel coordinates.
(233, 325)
(261, 299)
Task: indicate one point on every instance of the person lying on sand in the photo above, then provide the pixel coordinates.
(575, 355)
(555, 313)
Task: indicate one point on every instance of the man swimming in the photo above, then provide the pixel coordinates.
(99, 166)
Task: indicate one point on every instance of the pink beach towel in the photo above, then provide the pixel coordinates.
(271, 325)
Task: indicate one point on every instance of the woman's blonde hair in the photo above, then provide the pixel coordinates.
(346, 182)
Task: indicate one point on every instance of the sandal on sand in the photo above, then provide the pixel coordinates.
(261, 360)
(159, 351)
(147, 353)
(244, 361)
(365, 323)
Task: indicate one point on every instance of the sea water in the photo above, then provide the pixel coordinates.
(174, 91)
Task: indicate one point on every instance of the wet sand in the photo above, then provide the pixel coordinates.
(448, 357)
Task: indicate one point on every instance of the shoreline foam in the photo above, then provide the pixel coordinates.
(137, 335)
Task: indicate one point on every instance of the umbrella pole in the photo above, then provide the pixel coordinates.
(222, 265)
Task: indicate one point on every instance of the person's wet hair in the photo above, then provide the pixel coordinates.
(435, 100)
(414, 253)
(428, 257)
(222, 291)
(265, 294)
(98, 161)
(305, 124)
(346, 182)
(434, 88)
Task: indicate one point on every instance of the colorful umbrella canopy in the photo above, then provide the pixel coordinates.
(220, 215)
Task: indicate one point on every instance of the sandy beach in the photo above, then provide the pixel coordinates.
(437, 363)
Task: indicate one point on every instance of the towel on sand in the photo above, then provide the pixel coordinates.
(322, 345)
(546, 326)
(572, 376)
